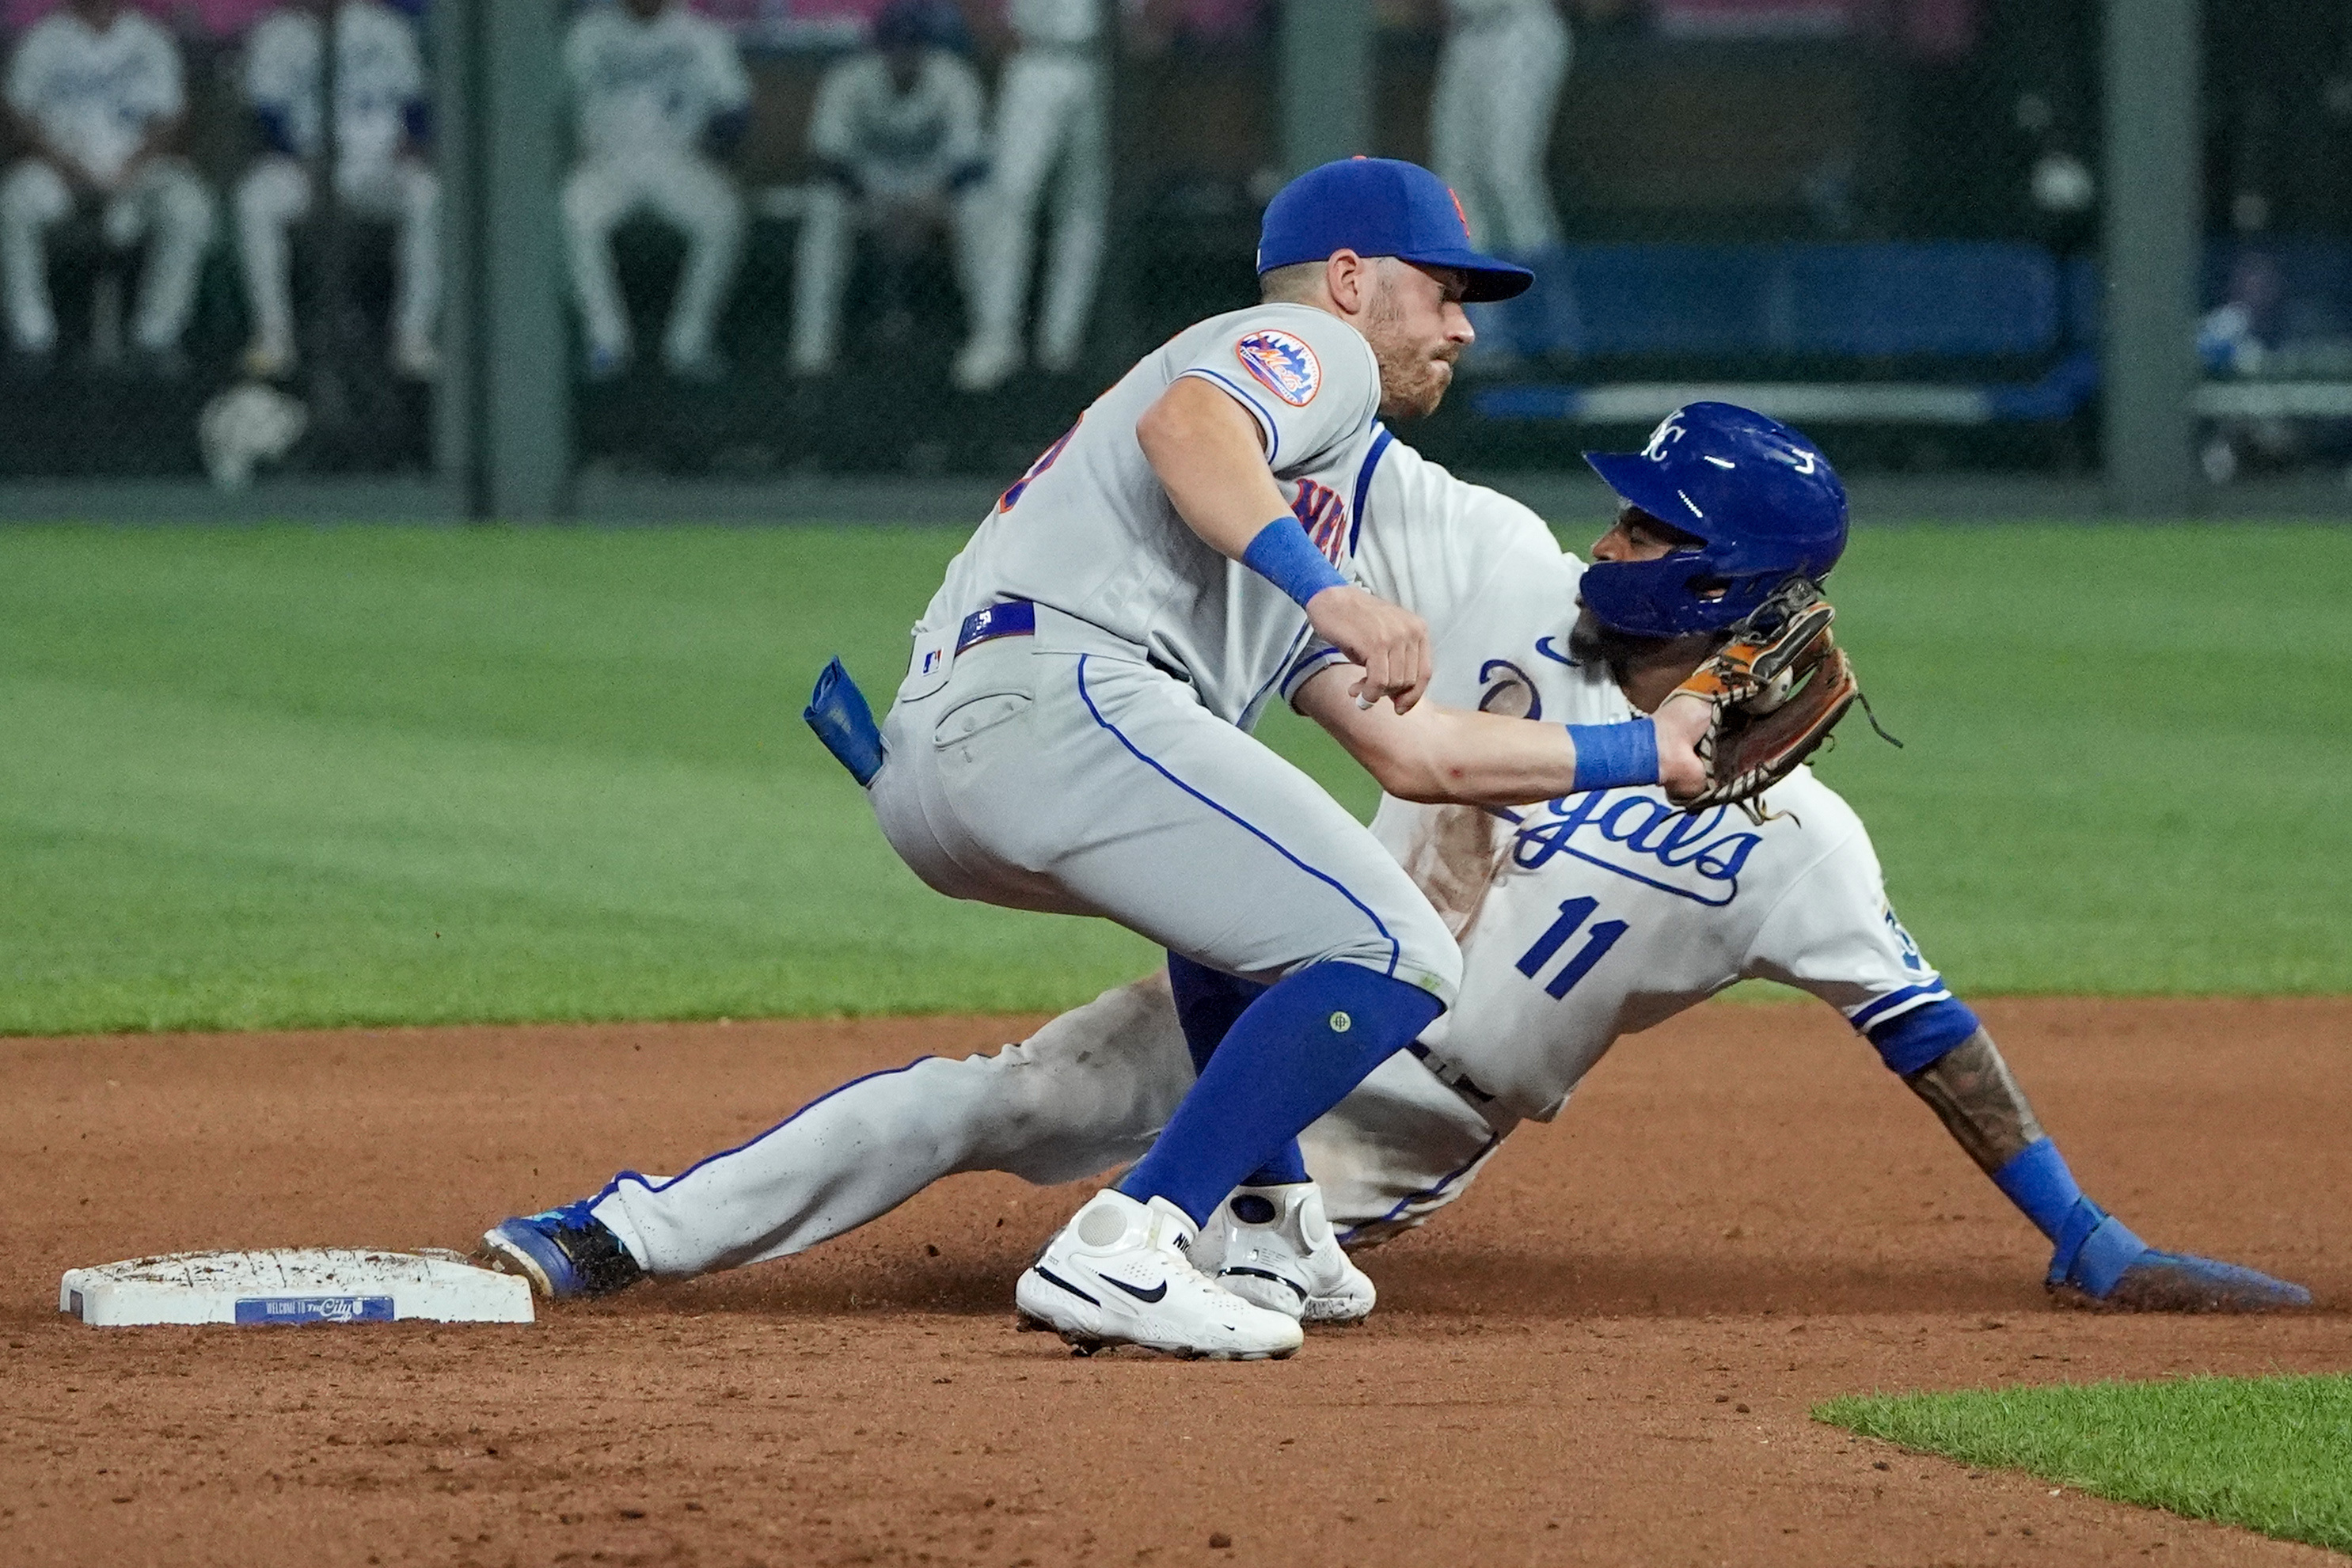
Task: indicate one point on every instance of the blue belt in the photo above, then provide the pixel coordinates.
(1013, 618)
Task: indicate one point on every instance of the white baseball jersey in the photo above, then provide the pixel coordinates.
(95, 95)
(909, 144)
(650, 90)
(378, 74)
(1056, 23)
(1089, 530)
(1598, 914)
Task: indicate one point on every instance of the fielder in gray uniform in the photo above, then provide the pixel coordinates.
(1071, 735)
(1580, 921)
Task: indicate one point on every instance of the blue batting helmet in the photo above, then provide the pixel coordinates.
(1761, 500)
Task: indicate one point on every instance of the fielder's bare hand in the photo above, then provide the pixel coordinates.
(1390, 643)
(1683, 721)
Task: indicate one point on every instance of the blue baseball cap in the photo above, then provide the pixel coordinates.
(1381, 206)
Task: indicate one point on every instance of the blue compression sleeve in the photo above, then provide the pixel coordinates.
(1287, 557)
(1292, 1055)
(1208, 1003)
(1612, 756)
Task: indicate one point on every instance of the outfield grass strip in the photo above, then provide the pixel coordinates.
(2272, 1454)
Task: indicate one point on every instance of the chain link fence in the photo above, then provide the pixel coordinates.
(892, 238)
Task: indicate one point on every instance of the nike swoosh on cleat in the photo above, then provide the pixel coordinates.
(1300, 1291)
(1146, 1297)
(1053, 1278)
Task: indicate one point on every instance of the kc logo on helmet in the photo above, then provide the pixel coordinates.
(1283, 365)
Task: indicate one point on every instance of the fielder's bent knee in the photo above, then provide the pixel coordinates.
(1412, 945)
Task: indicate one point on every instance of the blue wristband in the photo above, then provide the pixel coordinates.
(1612, 756)
(1287, 557)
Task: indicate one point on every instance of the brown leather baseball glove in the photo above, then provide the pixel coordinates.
(1778, 688)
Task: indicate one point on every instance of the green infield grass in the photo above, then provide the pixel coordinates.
(2274, 1454)
(282, 776)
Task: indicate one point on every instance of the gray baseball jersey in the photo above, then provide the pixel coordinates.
(1089, 530)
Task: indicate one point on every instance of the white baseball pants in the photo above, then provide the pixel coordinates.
(163, 202)
(1085, 1092)
(1053, 126)
(275, 195)
(828, 243)
(692, 196)
(1491, 116)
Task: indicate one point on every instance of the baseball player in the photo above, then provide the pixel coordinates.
(380, 171)
(97, 94)
(1071, 735)
(1490, 124)
(656, 89)
(1579, 920)
(1052, 124)
(897, 134)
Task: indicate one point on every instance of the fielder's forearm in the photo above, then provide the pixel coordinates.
(1456, 757)
(1971, 1090)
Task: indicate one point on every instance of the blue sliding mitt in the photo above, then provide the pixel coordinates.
(837, 711)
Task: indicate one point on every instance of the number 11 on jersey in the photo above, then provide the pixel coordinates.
(1573, 913)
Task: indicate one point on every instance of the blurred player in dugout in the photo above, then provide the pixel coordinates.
(96, 94)
(655, 89)
(1052, 140)
(381, 169)
(1491, 115)
(897, 136)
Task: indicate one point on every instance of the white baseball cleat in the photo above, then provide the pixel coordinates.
(1117, 1274)
(1274, 1247)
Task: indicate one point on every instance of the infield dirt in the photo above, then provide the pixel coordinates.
(1606, 1352)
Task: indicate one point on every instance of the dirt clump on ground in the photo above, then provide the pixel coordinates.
(1606, 1352)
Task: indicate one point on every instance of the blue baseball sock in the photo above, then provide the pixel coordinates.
(1291, 1055)
(1208, 1002)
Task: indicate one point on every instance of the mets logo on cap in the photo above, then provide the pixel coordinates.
(1284, 365)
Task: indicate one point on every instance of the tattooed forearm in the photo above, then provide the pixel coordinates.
(1970, 1089)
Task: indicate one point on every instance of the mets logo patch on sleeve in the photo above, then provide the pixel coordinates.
(1284, 365)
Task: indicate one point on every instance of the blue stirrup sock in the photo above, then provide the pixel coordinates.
(1291, 1055)
(2092, 1247)
(1208, 1002)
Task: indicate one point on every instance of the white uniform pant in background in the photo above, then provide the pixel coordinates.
(690, 195)
(276, 196)
(1052, 125)
(1094, 783)
(164, 204)
(828, 242)
(1491, 116)
(1085, 1092)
